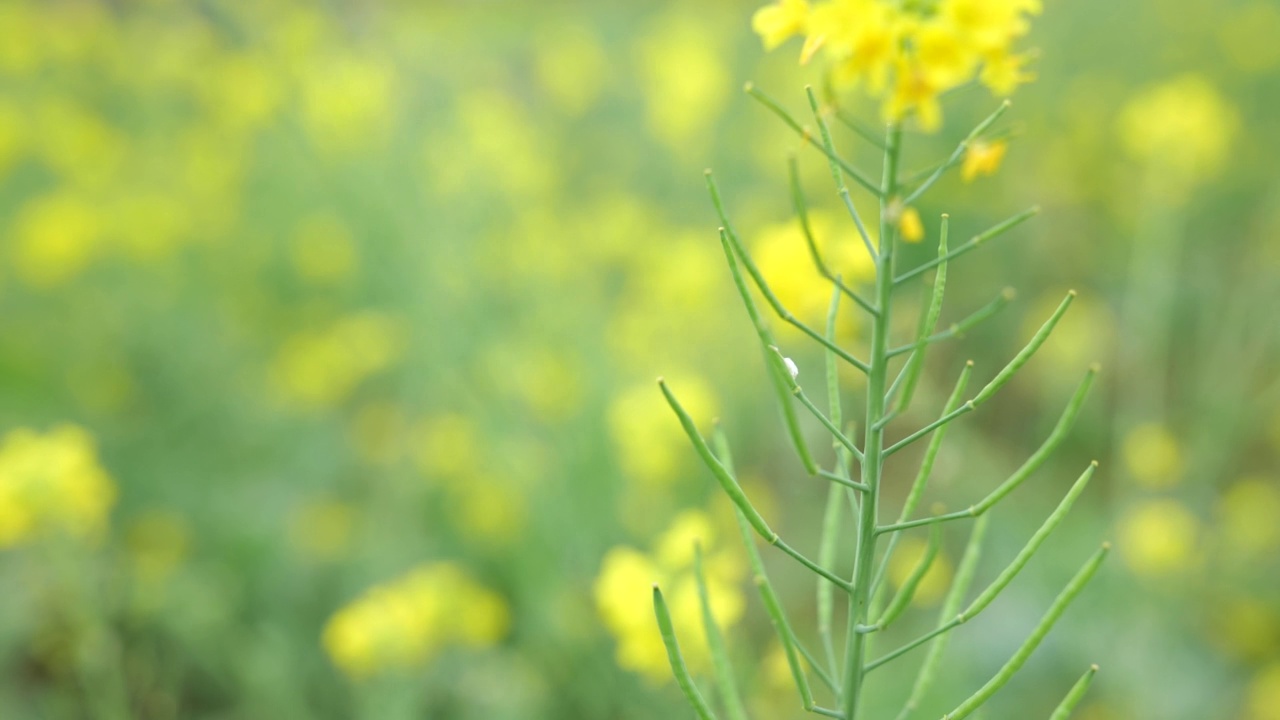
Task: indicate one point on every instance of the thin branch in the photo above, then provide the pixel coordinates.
(958, 329)
(802, 212)
(973, 243)
(841, 189)
(1015, 663)
(807, 136)
(763, 286)
(957, 155)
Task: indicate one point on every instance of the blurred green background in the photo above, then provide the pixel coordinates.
(329, 332)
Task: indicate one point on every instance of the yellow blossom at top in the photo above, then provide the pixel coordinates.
(907, 54)
(52, 481)
(775, 24)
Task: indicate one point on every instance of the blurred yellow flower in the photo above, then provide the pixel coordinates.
(982, 158)
(52, 481)
(782, 255)
(683, 77)
(56, 236)
(1262, 700)
(651, 447)
(624, 598)
(407, 622)
(1153, 456)
(777, 23)
(1181, 129)
(1249, 516)
(320, 369)
(347, 101)
(78, 144)
(910, 226)
(571, 66)
(1158, 538)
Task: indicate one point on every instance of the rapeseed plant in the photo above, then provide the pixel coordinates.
(906, 55)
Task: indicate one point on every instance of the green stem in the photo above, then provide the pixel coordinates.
(873, 448)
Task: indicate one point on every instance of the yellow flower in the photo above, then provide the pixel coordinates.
(1153, 456)
(56, 237)
(926, 48)
(1263, 699)
(982, 158)
(862, 37)
(320, 369)
(52, 482)
(1182, 129)
(1247, 514)
(910, 226)
(624, 600)
(1003, 72)
(777, 23)
(407, 622)
(1158, 537)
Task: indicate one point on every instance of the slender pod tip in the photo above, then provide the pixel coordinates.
(1007, 103)
(1008, 293)
(1106, 545)
(1094, 667)
(707, 172)
(968, 363)
(1072, 293)
(1095, 367)
(655, 586)
(748, 86)
(661, 381)
(946, 216)
(1094, 463)
(1035, 209)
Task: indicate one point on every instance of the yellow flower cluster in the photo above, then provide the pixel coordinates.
(52, 482)
(623, 595)
(1181, 130)
(907, 54)
(407, 622)
(320, 369)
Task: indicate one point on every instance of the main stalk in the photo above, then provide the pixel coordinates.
(873, 449)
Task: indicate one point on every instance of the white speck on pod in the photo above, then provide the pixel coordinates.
(791, 368)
